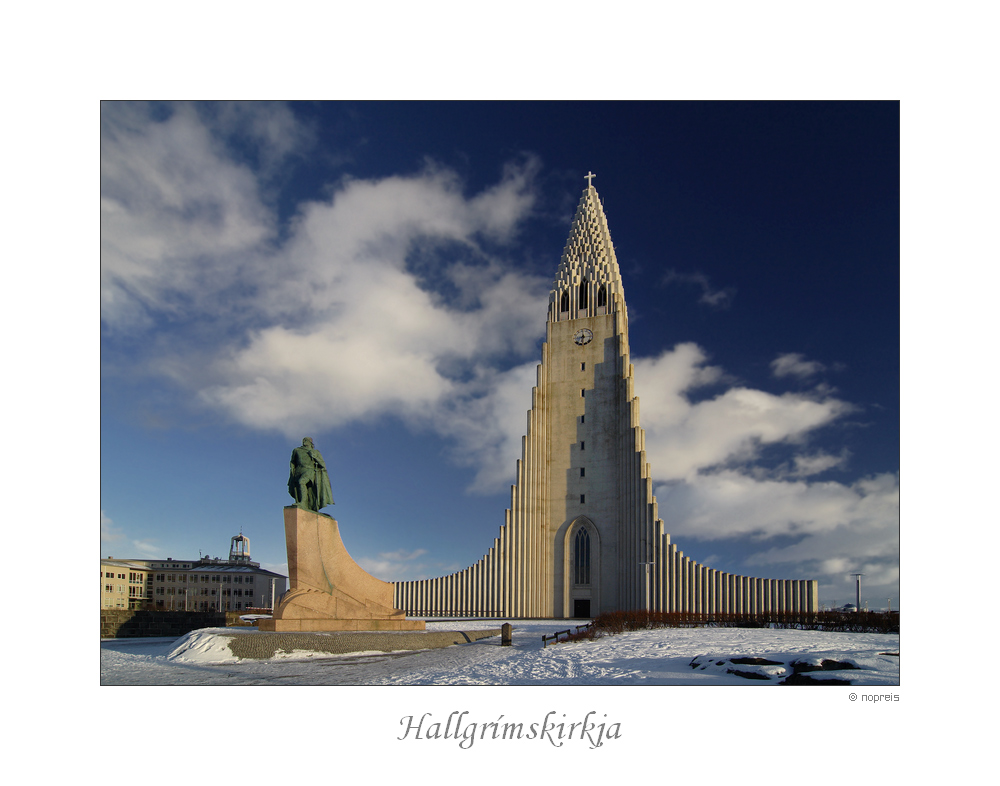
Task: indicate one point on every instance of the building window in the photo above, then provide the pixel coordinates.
(581, 557)
(583, 472)
(564, 302)
(583, 392)
(583, 499)
(584, 288)
(583, 445)
(602, 296)
(583, 367)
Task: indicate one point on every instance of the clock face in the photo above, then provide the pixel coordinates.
(583, 336)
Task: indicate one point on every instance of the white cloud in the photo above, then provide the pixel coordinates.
(381, 301)
(112, 537)
(816, 463)
(109, 532)
(146, 549)
(403, 565)
(710, 296)
(170, 200)
(684, 438)
(728, 503)
(359, 336)
(793, 364)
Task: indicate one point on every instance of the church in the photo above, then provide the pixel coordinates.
(583, 534)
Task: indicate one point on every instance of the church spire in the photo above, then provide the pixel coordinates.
(588, 281)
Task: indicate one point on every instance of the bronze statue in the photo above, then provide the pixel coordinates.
(308, 482)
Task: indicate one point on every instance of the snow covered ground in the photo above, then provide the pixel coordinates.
(657, 657)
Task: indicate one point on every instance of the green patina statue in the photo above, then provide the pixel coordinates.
(308, 482)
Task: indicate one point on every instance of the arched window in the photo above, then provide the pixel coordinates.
(602, 296)
(564, 302)
(581, 557)
(584, 288)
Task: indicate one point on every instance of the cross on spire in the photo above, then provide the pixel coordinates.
(589, 177)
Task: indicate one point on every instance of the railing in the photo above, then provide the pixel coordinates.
(546, 639)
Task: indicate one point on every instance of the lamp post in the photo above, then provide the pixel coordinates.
(857, 604)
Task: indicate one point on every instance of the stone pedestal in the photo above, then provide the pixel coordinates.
(328, 590)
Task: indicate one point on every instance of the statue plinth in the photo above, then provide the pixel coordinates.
(329, 591)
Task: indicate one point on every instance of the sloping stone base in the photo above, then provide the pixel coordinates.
(329, 590)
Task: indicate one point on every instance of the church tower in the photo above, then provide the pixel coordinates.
(601, 514)
(582, 535)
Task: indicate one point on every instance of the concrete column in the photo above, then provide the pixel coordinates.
(674, 582)
(688, 586)
(504, 566)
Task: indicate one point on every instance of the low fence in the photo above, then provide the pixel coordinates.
(567, 633)
(847, 622)
(122, 623)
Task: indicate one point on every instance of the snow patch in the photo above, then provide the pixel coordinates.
(206, 645)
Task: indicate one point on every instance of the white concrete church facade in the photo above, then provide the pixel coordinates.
(582, 535)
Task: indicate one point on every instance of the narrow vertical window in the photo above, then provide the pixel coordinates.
(584, 288)
(581, 557)
(602, 296)
(583, 499)
(564, 302)
(583, 472)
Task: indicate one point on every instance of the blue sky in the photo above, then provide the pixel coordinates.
(374, 275)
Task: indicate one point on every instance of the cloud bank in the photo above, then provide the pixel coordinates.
(397, 297)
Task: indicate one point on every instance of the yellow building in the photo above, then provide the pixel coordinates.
(125, 584)
(205, 584)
